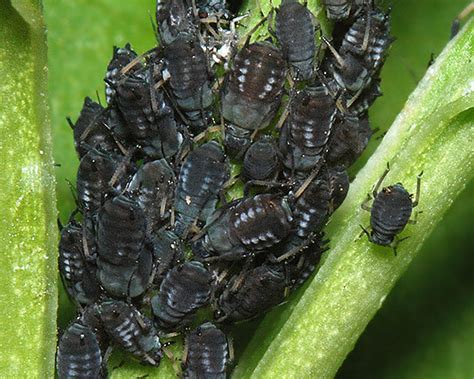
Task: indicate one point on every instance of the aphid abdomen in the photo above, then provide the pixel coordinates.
(153, 187)
(338, 10)
(122, 56)
(261, 221)
(338, 185)
(131, 330)
(390, 213)
(253, 88)
(295, 32)
(189, 78)
(90, 130)
(207, 353)
(261, 160)
(311, 210)
(307, 129)
(262, 288)
(201, 177)
(79, 354)
(184, 290)
(349, 139)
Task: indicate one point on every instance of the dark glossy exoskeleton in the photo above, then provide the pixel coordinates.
(251, 93)
(91, 131)
(190, 79)
(90, 316)
(184, 290)
(167, 252)
(349, 139)
(100, 174)
(174, 19)
(122, 56)
(390, 211)
(124, 265)
(261, 160)
(311, 208)
(150, 120)
(338, 185)
(206, 353)
(306, 131)
(340, 10)
(201, 178)
(251, 293)
(131, 330)
(295, 30)
(79, 354)
(250, 226)
(153, 188)
(78, 272)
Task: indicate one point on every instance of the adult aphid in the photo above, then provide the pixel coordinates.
(390, 211)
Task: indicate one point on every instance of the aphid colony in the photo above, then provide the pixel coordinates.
(154, 238)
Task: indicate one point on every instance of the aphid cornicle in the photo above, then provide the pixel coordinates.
(295, 30)
(249, 226)
(124, 265)
(251, 293)
(78, 273)
(251, 93)
(206, 353)
(90, 130)
(348, 141)
(390, 211)
(184, 290)
(201, 178)
(131, 330)
(307, 129)
(152, 187)
(79, 354)
(122, 56)
(190, 79)
(149, 119)
(261, 160)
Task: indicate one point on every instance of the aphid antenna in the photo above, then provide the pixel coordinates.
(297, 249)
(73, 191)
(230, 347)
(418, 189)
(364, 231)
(98, 97)
(309, 179)
(380, 181)
(249, 34)
(154, 27)
(364, 205)
(70, 123)
(92, 125)
(121, 168)
(340, 60)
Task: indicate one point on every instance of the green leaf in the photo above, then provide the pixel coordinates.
(28, 231)
(435, 127)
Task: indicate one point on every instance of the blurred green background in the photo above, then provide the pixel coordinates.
(426, 326)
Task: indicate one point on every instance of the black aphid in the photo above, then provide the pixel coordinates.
(124, 265)
(173, 18)
(251, 293)
(390, 211)
(131, 330)
(348, 141)
(153, 187)
(150, 120)
(339, 10)
(295, 30)
(261, 160)
(122, 57)
(307, 129)
(249, 226)
(79, 354)
(91, 130)
(251, 93)
(206, 353)
(77, 270)
(200, 180)
(184, 290)
(190, 79)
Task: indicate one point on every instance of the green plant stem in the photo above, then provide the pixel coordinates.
(433, 133)
(28, 268)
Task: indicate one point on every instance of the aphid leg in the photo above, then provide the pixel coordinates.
(249, 34)
(262, 183)
(339, 59)
(456, 25)
(105, 360)
(70, 123)
(364, 231)
(230, 344)
(418, 190)
(375, 191)
(174, 361)
(365, 43)
(364, 205)
(395, 244)
(415, 219)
